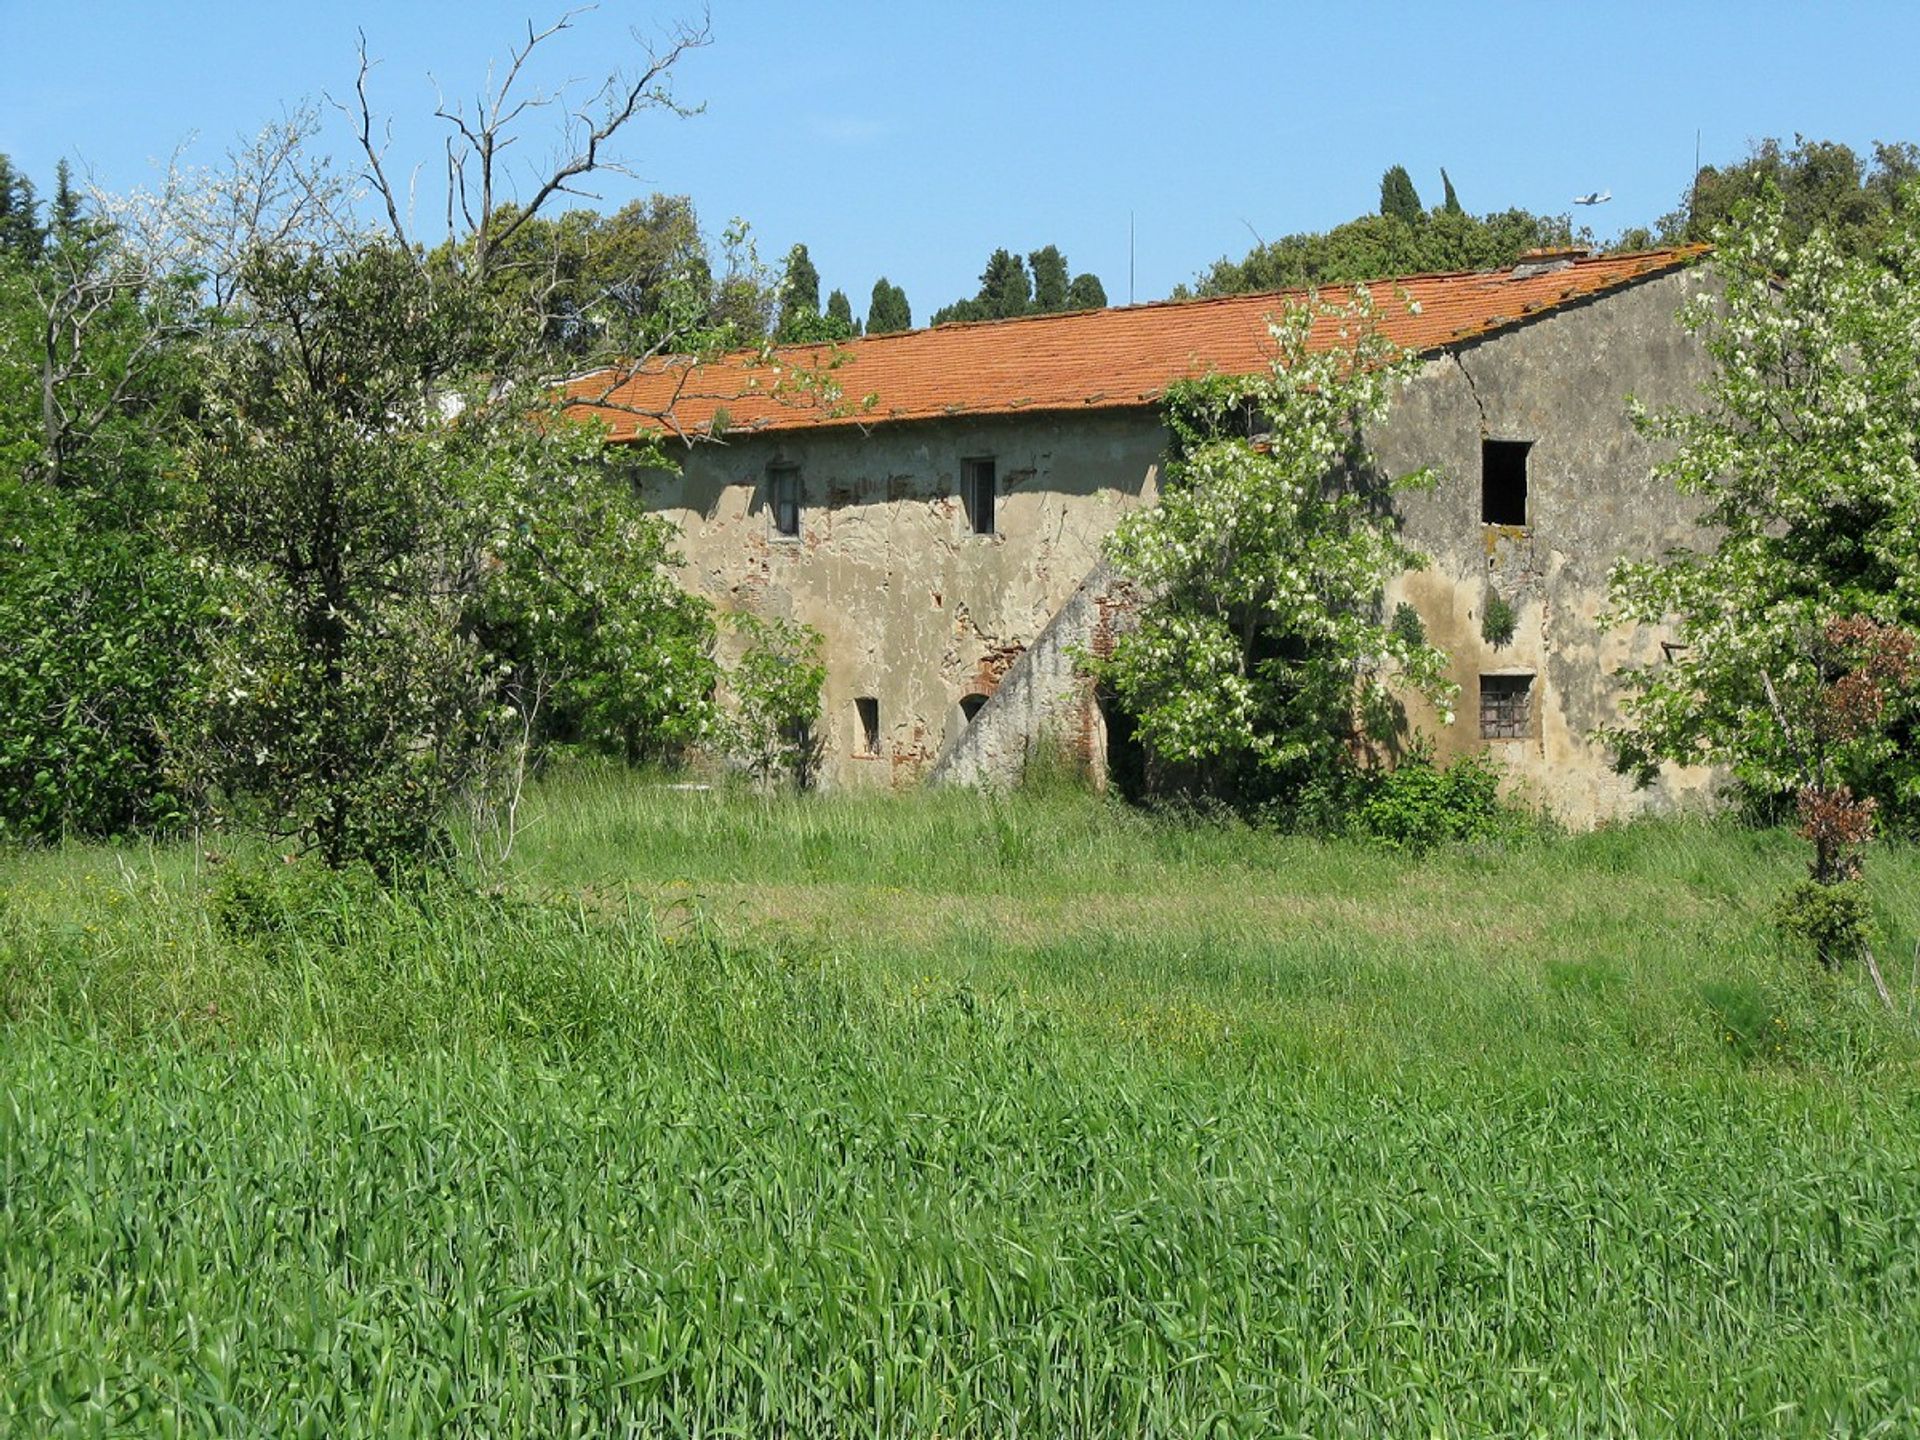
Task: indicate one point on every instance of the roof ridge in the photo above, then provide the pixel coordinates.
(1669, 255)
(1070, 360)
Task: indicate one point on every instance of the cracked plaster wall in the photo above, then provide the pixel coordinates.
(915, 609)
(1560, 383)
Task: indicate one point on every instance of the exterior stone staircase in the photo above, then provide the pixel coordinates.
(1045, 699)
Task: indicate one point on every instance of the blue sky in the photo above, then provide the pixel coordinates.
(910, 139)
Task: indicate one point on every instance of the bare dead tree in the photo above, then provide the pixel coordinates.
(488, 202)
(485, 129)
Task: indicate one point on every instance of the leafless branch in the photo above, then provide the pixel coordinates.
(595, 125)
(482, 131)
(376, 171)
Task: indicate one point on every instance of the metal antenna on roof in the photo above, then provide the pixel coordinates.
(1130, 257)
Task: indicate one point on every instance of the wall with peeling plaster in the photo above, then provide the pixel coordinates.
(1561, 383)
(1046, 699)
(918, 612)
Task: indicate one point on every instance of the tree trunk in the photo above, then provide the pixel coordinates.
(50, 412)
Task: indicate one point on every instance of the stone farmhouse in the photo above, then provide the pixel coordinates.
(934, 502)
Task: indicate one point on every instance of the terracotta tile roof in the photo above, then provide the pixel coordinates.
(1087, 360)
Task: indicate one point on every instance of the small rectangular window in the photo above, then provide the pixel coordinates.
(783, 484)
(867, 709)
(1506, 707)
(977, 494)
(1503, 481)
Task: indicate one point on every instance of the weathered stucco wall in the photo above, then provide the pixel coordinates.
(917, 611)
(1560, 383)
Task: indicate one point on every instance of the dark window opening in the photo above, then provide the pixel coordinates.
(977, 494)
(784, 483)
(868, 709)
(971, 705)
(1506, 709)
(1503, 481)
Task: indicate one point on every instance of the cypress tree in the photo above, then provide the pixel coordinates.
(838, 308)
(1452, 202)
(1049, 279)
(65, 215)
(1005, 290)
(1398, 198)
(799, 292)
(20, 232)
(888, 310)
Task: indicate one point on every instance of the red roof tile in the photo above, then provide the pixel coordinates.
(1086, 360)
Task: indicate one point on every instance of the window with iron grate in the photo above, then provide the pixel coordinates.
(1506, 707)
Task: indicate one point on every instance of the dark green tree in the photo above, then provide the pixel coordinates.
(1822, 184)
(99, 605)
(100, 616)
(1005, 288)
(839, 309)
(1086, 293)
(64, 216)
(20, 233)
(1050, 280)
(610, 286)
(888, 310)
(799, 295)
(407, 596)
(342, 705)
(1398, 199)
(1451, 204)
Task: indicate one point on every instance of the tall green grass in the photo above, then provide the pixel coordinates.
(933, 1116)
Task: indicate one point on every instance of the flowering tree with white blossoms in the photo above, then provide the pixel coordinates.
(1263, 652)
(1793, 625)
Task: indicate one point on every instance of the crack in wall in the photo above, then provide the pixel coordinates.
(1473, 389)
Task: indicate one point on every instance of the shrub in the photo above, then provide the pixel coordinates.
(1418, 805)
(776, 700)
(1261, 651)
(1498, 624)
(1829, 920)
(97, 643)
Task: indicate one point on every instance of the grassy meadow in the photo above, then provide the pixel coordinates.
(942, 1115)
